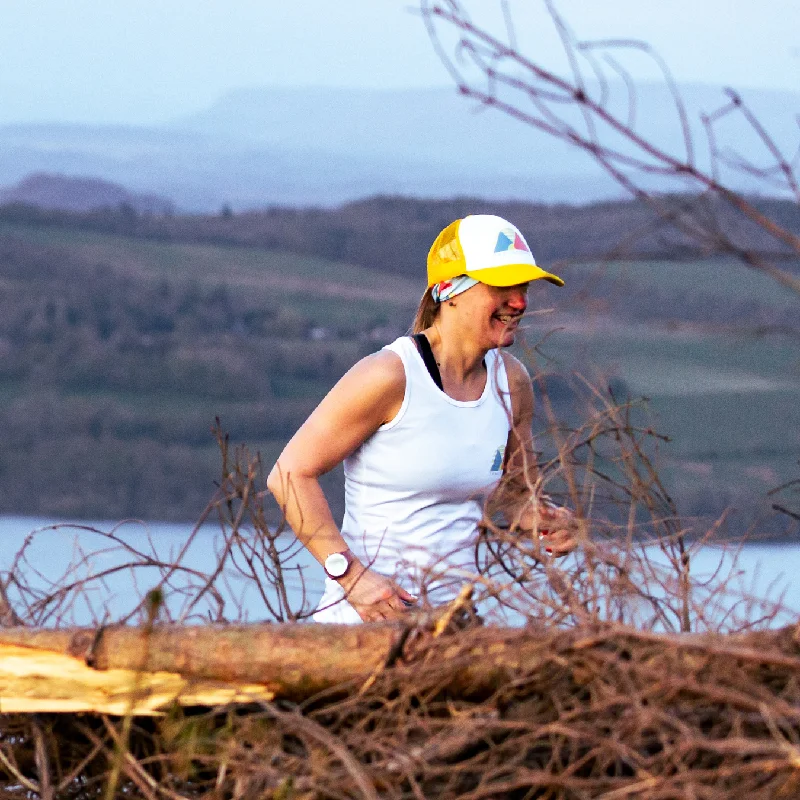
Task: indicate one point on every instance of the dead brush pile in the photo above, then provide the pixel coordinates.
(612, 673)
(609, 712)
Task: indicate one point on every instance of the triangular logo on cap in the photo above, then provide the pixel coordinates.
(509, 239)
(503, 243)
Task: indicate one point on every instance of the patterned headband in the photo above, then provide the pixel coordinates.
(446, 289)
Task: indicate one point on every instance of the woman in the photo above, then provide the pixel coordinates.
(427, 427)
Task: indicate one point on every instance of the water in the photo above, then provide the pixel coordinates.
(57, 554)
(126, 560)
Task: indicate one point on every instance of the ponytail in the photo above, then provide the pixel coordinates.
(427, 312)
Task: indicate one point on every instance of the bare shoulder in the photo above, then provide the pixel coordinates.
(520, 386)
(518, 377)
(367, 396)
(373, 387)
(383, 369)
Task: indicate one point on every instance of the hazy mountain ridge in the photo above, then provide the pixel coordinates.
(269, 146)
(443, 125)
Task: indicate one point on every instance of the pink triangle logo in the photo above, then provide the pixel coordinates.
(519, 244)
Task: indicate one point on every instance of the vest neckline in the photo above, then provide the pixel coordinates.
(491, 366)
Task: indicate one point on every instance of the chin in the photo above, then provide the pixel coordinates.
(503, 336)
(508, 340)
(509, 336)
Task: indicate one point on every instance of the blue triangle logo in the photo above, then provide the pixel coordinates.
(503, 243)
(498, 457)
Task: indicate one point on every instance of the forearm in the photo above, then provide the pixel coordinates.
(307, 512)
(532, 514)
(373, 596)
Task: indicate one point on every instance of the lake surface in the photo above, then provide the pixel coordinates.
(108, 567)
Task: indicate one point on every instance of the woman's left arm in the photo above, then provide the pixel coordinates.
(519, 495)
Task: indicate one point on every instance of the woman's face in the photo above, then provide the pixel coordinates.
(495, 311)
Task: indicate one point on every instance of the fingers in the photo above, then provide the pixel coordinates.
(558, 542)
(379, 614)
(376, 597)
(405, 597)
(392, 605)
(557, 527)
(397, 606)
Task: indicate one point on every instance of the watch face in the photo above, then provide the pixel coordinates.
(336, 565)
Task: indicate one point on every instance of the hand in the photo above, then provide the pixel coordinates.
(557, 527)
(376, 597)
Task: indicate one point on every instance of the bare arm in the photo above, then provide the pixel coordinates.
(369, 395)
(519, 492)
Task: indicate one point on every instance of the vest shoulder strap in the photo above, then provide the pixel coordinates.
(424, 347)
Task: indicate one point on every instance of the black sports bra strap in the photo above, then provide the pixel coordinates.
(424, 347)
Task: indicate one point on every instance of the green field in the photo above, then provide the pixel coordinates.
(726, 393)
(336, 292)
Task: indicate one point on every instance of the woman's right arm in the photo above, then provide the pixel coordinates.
(524, 507)
(369, 395)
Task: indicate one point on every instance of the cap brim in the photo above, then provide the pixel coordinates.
(512, 274)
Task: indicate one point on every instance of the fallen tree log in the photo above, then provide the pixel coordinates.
(293, 659)
(298, 661)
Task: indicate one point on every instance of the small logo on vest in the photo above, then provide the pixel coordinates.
(497, 464)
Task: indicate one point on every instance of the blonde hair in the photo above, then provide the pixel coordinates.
(427, 311)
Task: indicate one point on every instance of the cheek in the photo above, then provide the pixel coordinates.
(482, 312)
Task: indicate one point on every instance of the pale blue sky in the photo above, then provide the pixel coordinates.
(145, 61)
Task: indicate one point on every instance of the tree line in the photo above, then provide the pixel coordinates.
(393, 234)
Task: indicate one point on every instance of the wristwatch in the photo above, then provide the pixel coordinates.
(336, 565)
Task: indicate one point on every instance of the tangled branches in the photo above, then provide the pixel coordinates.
(244, 568)
(598, 690)
(607, 712)
(594, 106)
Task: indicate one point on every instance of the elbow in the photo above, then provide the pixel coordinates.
(283, 476)
(276, 481)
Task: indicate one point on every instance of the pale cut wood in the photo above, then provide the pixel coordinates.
(33, 680)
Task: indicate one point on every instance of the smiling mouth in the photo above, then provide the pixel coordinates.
(508, 319)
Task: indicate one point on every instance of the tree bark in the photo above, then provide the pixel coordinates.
(296, 661)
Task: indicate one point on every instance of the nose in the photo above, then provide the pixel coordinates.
(518, 298)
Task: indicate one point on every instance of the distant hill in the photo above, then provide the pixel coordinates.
(64, 193)
(392, 234)
(441, 127)
(304, 146)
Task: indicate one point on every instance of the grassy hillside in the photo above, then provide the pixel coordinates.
(118, 351)
(716, 350)
(392, 234)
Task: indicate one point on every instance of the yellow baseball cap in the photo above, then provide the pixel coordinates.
(488, 249)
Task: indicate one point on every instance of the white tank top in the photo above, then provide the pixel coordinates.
(414, 490)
